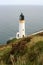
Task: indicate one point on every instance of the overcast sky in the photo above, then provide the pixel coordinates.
(21, 2)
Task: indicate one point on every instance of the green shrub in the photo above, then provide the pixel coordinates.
(11, 41)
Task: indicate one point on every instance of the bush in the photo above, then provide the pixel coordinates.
(11, 41)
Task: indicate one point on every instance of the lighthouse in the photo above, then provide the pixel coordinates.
(21, 32)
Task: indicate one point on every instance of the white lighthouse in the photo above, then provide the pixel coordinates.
(21, 32)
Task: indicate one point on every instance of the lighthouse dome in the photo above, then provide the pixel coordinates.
(21, 16)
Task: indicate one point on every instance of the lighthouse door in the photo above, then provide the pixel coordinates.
(23, 36)
(18, 35)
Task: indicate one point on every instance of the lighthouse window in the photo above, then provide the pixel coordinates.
(23, 29)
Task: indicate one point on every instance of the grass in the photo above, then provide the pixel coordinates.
(11, 41)
(25, 51)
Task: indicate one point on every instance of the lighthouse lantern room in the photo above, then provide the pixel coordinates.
(21, 32)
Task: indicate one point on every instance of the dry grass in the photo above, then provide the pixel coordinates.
(25, 51)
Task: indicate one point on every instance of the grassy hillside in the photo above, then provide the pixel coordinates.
(25, 51)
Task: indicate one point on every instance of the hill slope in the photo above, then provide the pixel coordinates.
(25, 51)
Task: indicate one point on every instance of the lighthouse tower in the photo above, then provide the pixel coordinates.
(21, 32)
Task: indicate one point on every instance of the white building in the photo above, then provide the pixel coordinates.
(21, 32)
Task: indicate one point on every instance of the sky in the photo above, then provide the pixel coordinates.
(21, 2)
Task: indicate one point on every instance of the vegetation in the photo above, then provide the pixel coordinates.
(25, 51)
(11, 41)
